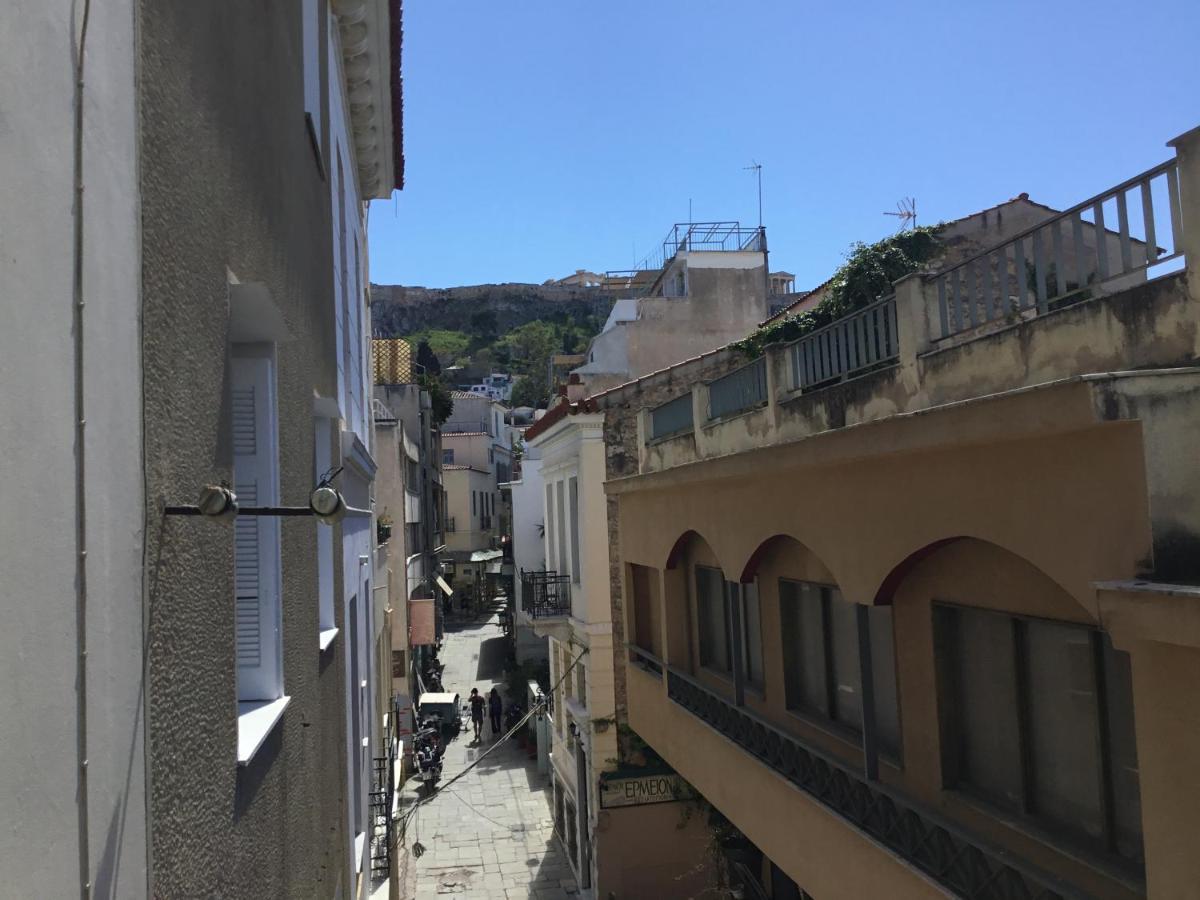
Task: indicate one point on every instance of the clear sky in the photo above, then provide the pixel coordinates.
(543, 136)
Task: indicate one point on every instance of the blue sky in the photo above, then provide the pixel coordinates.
(543, 136)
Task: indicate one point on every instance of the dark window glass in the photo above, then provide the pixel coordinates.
(883, 677)
(1063, 719)
(847, 677)
(713, 619)
(989, 753)
(801, 605)
(752, 661)
(1037, 715)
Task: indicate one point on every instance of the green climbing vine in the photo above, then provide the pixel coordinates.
(865, 276)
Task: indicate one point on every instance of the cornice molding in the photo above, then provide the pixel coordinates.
(365, 30)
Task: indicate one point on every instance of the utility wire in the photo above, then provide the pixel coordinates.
(537, 707)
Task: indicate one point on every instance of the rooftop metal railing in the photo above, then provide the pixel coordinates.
(1059, 261)
(852, 344)
(742, 389)
(469, 427)
(687, 237)
(672, 418)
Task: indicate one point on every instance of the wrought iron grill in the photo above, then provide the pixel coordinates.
(1062, 260)
(381, 815)
(961, 863)
(673, 417)
(740, 390)
(545, 594)
(850, 345)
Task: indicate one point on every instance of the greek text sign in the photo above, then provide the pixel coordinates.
(642, 790)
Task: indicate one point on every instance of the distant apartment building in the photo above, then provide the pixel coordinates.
(910, 601)
(564, 597)
(409, 492)
(708, 286)
(191, 706)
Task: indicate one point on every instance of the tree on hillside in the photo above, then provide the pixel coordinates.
(427, 360)
(439, 395)
(529, 348)
(525, 393)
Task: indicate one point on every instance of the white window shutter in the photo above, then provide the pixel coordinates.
(256, 538)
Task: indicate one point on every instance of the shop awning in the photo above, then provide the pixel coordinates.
(421, 623)
(446, 589)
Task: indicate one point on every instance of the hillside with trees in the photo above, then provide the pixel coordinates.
(473, 331)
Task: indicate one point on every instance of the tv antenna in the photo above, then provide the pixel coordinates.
(906, 212)
(757, 169)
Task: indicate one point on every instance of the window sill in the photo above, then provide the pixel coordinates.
(255, 720)
(326, 638)
(1117, 868)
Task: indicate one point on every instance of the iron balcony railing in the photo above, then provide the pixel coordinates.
(740, 390)
(1060, 261)
(852, 344)
(965, 865)
(673, 417)
(545, 594)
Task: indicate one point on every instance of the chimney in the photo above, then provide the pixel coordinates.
(575, 388)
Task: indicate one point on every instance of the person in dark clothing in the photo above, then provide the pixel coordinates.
(477, 704)
(495, 708)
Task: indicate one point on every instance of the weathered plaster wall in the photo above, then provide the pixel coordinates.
(39, 644)
(229, 180)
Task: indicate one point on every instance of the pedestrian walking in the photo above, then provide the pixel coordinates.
(495, 708)
(477, 704)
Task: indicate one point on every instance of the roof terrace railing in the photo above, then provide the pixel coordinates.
(741, 390)
(847, 347)
(673, 417)
(688, 237)
(1059, 261)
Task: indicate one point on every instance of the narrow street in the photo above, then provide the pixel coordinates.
(491, 834)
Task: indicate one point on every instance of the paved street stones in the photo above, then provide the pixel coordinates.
(490, 835)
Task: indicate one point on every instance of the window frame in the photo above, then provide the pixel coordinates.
(1054, 832)
(827, 719)
(573, 506)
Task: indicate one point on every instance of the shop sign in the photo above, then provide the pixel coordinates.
(642, 790)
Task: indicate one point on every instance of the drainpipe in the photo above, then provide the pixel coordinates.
(81, 745)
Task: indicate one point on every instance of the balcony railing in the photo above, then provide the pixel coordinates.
(1059, 261)
(474, 427)
(740, 390)
(967, 866)
(545, 594)
(673, 417)
(852, 344)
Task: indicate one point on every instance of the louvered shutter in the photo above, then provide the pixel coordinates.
(256, 538)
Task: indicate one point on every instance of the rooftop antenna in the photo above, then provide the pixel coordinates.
(906, 212)
(757, 168)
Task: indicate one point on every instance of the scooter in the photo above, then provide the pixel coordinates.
(428, 754)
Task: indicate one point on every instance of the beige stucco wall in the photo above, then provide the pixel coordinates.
(1045, 497)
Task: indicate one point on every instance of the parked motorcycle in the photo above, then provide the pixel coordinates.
(428, 754)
